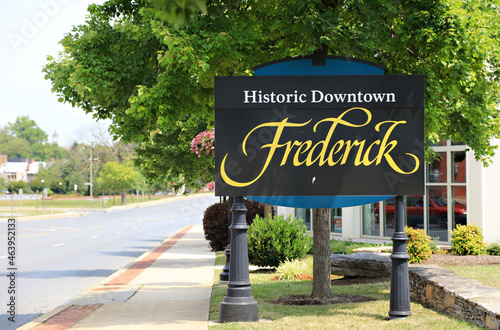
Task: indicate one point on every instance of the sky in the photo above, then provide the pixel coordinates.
(31, 30)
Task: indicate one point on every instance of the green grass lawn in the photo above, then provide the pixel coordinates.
(487, 275)
(367, 315)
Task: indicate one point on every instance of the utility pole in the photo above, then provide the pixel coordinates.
(90, 171)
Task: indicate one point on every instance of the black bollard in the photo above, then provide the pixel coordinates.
(400, 285)
(224, 275)
(239, 305)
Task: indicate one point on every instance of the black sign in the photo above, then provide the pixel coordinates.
(319, 135)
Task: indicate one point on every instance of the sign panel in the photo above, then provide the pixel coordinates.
(319, 135)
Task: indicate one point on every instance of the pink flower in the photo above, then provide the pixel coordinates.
(204, 141)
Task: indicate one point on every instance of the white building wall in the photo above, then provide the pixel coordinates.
(286, 211)
(351, 222)
(475, 187)
(491, 199)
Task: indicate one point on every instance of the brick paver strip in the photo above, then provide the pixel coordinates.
(67, 318)
(127, 276)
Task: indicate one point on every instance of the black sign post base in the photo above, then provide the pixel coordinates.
(239, 305)
(400, 288)
(224, 275)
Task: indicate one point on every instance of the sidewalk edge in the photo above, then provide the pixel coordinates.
(44, 318)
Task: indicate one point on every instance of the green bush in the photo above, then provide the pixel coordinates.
(273, 241)
(494, 249)
(215, 222)
(467, 240)
(418, 245)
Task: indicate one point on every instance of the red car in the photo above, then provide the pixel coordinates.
(438, 212)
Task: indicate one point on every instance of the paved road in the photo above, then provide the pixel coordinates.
(57, 259)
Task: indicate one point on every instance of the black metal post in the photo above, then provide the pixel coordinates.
(224, 275)
(239, 305)
(400, 286)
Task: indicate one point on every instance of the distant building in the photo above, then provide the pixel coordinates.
(17, 169)
(55, 138)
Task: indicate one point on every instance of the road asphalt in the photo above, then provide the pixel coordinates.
(168, 287)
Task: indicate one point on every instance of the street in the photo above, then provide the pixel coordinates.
(57, 259)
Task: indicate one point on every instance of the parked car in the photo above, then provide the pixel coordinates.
(438, 212)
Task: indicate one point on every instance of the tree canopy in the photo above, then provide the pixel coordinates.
(27, 129)
(24, 139)
(155, 79)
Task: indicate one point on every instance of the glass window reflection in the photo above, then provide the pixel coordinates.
(459, 206)
(437, 212)
(371, 219)
(304, 215)
(458, 166)
(436, 171)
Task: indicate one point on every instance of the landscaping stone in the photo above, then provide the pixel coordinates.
(374, 249)
(455, 295)
(431, 285)
(361, 264)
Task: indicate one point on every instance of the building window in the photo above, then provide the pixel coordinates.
(438, 212)
(336, 220)
(446, 188)
(371, 219)
(304, 215)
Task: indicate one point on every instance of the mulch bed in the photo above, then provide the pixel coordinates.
(453, 260)
(303, 300)
(436, 259)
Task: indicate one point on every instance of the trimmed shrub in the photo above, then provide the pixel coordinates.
(467, 240)
(418, 245)
(215, 222)
(275, 240)
(494, 249)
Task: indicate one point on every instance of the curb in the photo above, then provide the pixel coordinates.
(42, 319)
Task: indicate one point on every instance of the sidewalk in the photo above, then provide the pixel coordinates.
(168, 287)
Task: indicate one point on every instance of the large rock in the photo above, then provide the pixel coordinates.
(373, 249)
(361, 264)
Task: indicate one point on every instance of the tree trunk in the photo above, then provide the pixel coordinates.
(321, 254)
(124, 198)
(268, 211)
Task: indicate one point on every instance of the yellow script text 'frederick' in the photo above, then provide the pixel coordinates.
(305, 153)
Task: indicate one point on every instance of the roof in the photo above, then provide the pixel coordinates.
(13, 167)
(35, 167)
(17, 167)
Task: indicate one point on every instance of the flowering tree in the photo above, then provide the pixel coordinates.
(204, 143)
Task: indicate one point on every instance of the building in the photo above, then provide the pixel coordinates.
(19, 169)
(459, 190)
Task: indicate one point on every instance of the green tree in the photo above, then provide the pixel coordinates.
(4, 185)
(51, 176)
(27, 129)
(24, 139)
(13, 146)
(19, 185)
(116, 177)
(46, 151)
(155, 80)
